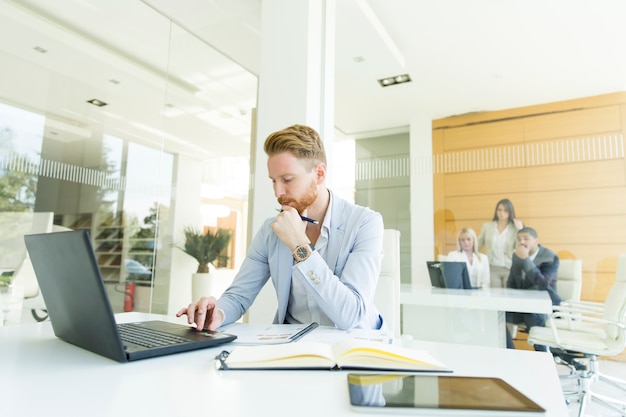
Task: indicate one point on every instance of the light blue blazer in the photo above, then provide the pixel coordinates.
(343, 284)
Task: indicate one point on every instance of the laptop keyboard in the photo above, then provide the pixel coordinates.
(147, 337)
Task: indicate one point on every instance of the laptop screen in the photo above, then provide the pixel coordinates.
(448, 274)
(79, 308)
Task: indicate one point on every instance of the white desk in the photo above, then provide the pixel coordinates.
(475, 317)
(41, 375)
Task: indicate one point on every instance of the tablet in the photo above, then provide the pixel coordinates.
(449, 395)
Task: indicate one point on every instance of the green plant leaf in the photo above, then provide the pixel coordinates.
(205, 247)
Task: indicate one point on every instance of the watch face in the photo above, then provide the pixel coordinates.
(302, 252)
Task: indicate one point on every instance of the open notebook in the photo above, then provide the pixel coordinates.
(80, 312)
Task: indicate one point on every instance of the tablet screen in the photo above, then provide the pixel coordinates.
(437, 392)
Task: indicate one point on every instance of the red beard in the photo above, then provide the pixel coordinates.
(305, 202)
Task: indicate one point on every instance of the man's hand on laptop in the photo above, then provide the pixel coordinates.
(204, 314)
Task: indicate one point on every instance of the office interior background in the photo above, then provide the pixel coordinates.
(135, 119)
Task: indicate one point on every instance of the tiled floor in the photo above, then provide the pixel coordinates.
(609, 367)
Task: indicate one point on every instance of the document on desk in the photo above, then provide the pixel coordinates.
(345, 354)
(275, 334)
(268, 334)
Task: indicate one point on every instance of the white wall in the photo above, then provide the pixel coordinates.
(422, 200)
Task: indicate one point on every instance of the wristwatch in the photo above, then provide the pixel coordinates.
(303, 252)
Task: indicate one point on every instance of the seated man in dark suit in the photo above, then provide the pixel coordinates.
(534, 268)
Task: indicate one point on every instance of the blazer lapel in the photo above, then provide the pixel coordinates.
(336, 233)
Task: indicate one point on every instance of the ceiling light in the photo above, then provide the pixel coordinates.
(402, 78)
(397, 79)
(96, 102)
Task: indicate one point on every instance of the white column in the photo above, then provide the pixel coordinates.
(422, 224)
(172, 280)
(296, 86)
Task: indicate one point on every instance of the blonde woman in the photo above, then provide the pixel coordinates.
(467, 251)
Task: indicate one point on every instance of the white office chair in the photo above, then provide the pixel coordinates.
(587, 336)
(569, 281)
(387, 297)
(569, 286)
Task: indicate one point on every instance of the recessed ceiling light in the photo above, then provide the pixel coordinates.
(396, 79)
(97, 102)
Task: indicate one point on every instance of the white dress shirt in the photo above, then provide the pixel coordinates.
(302, 307)
(478, 270)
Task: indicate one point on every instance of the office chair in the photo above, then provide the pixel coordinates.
(569, 283)
(582, 336)
(569, 279)
(387, 296)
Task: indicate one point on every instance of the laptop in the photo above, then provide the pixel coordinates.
(449, 274)
(80, 312)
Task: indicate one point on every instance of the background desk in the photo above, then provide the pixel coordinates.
(475, 317)
(41, 375)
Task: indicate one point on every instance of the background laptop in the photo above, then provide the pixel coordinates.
(449, 274)
(79, 308)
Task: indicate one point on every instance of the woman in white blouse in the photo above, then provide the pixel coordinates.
(499, 237)
(467, 251)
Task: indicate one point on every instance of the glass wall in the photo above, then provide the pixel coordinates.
(383, 184)
(124, 147)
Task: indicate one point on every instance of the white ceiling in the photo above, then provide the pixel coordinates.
(463, 56)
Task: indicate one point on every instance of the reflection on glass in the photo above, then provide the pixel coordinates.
(126, 172)
(108, 186)
(21, 135)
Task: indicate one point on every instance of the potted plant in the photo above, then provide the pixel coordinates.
(205, 248)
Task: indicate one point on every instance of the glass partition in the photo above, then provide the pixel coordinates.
(129, 166)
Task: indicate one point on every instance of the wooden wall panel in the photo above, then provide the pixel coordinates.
(560, 203)
(584, 175)
(601, 100)
(565, 173)
(497, 181)
(600, 257)
(591, 230)
(574, 203)
(597, 285)
(581, 175)
(479, 207)
(483, 135)
(572, 123)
